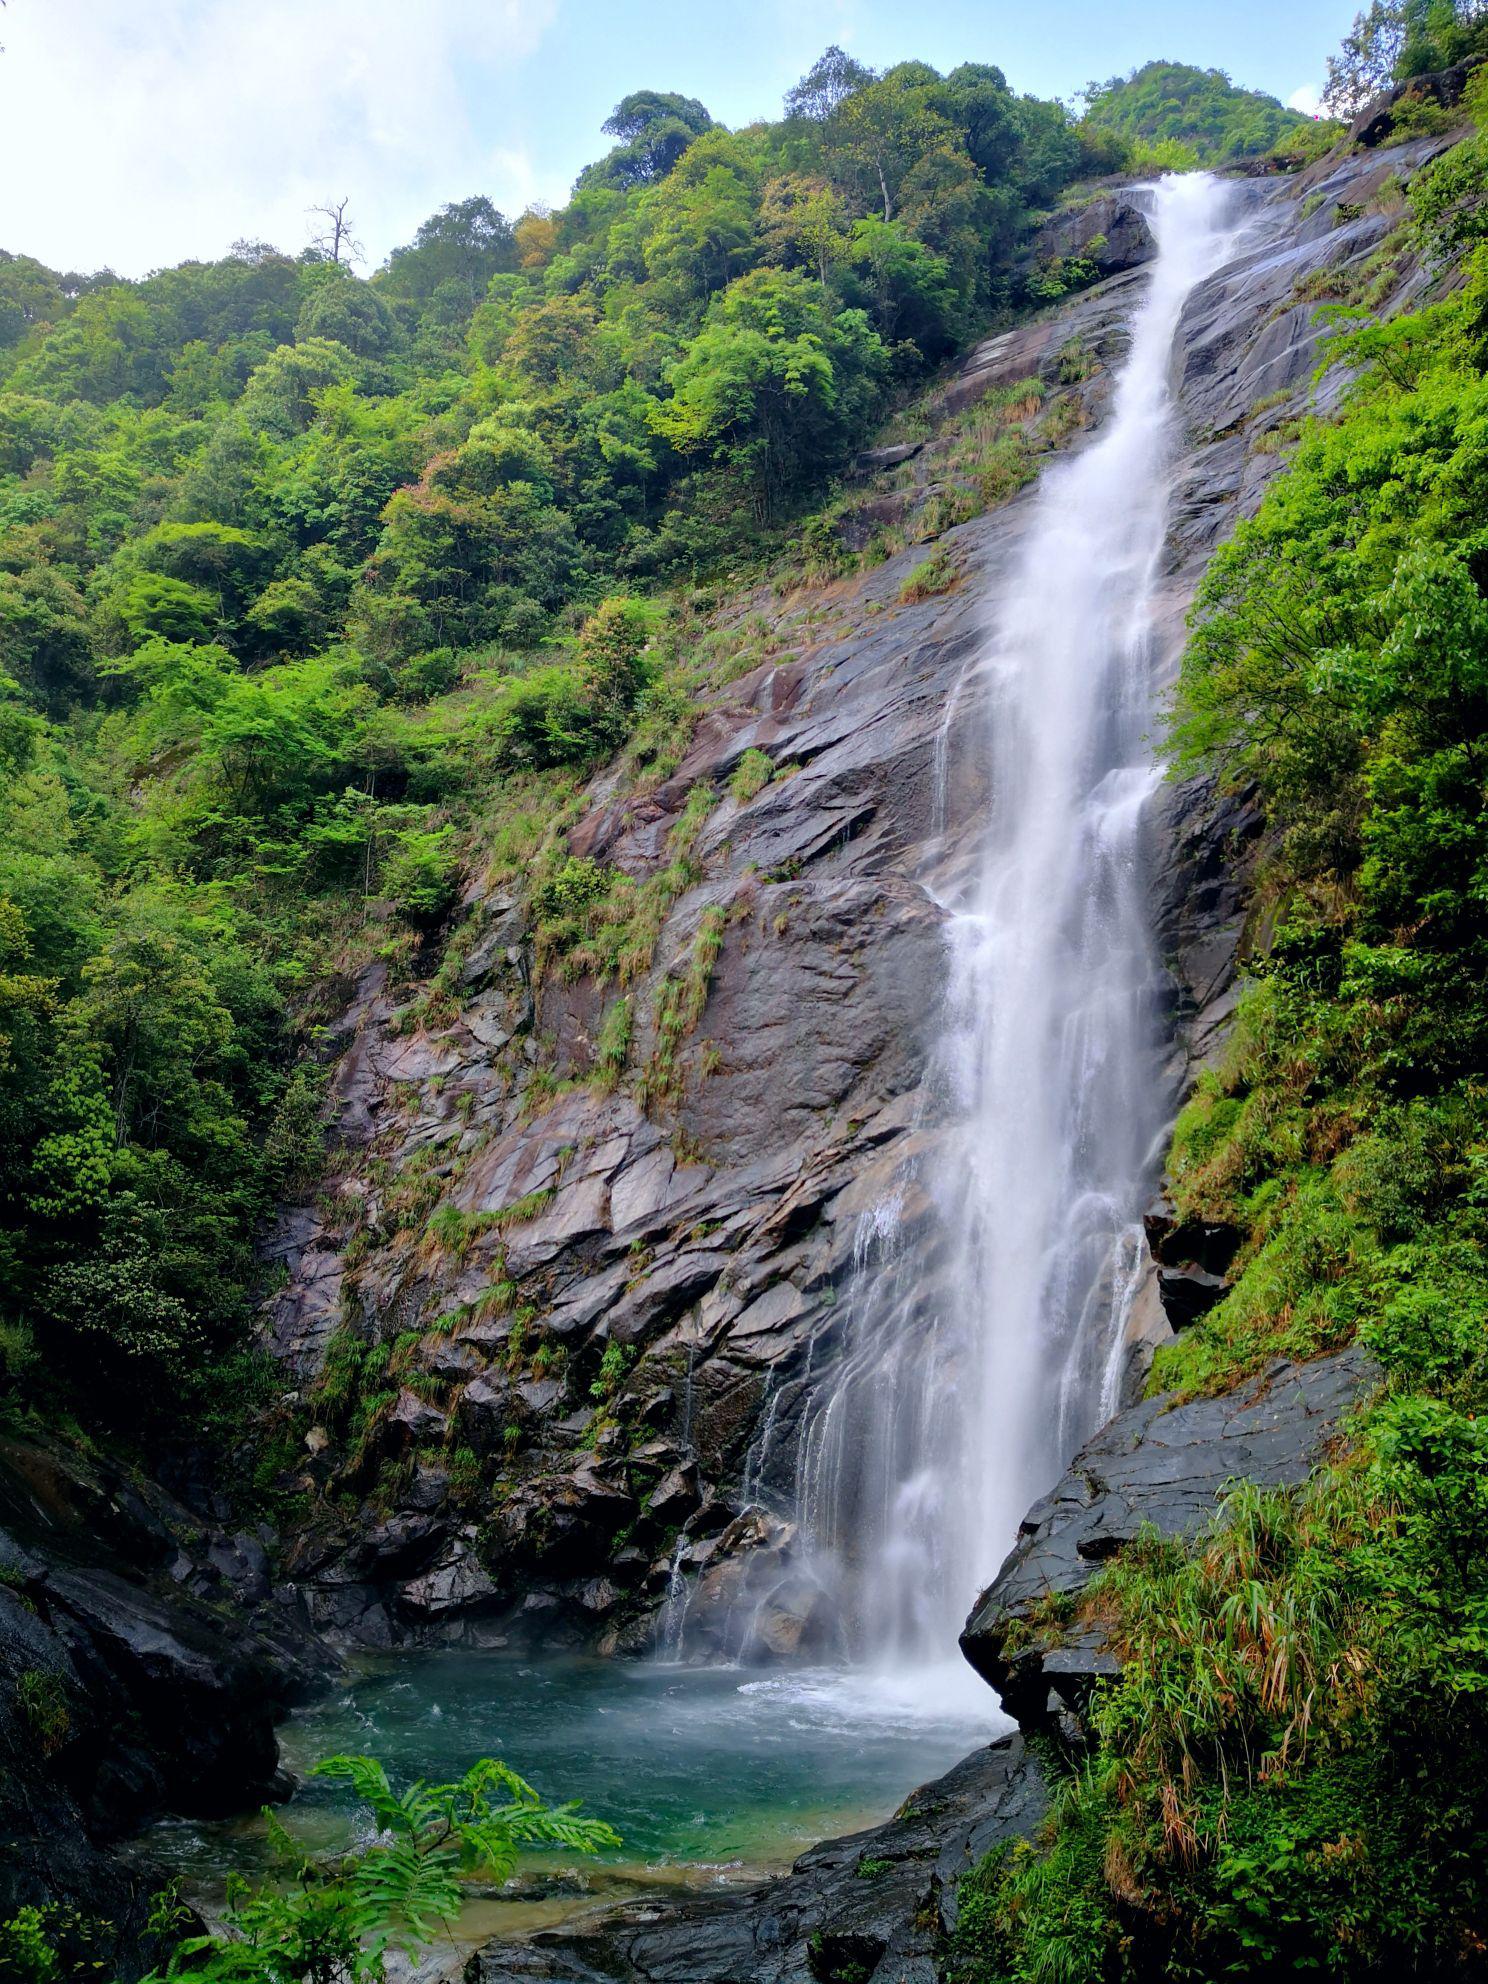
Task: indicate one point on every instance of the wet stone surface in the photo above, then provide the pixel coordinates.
(876, 1907)
(1156, 1464)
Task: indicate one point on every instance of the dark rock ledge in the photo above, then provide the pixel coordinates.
(1193, 1258)
(148, 1687)
(876, 1906)
(1156, 1463)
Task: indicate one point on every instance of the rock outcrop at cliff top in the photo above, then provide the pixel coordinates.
(1444, 88)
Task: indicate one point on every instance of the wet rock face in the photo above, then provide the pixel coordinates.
(875, 1908)
(1155, 1463)
(612, 1356)
(1193, 1259)
(151, 1686)
(1111, 231)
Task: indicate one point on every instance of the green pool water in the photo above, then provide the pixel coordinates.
(710, 1775)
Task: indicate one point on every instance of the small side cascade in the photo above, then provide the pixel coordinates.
(673, 1619)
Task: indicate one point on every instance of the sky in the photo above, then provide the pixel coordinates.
(136, 135)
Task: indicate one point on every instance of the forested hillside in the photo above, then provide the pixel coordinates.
(294, 578)
(1200, 112)
(352, 629)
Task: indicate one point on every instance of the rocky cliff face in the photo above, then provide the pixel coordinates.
(599, 1387)
(152, 1685)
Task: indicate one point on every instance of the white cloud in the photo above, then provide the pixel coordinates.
(141, 134)
(1308, 100)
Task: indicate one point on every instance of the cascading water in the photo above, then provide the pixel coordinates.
(924, 1448)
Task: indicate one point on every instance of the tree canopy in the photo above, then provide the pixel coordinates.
(1393, 40)
(1166, 102)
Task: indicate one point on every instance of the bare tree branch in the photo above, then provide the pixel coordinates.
(335, 240)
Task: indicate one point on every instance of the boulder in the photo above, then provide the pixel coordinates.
(1157, 1463)
(487, 1406)
(1111, 231)
(674, 1497)
(749, 1596)
(457, 1584)
(564, 1524)
(1443, 87)
(873, 460)
(1193, 1258)
(412, 1422)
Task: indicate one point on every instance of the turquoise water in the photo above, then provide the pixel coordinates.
(708, 1774)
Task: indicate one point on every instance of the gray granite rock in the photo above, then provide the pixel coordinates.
(1109, 230)
(1157, 1463)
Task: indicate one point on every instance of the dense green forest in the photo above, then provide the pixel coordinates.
(300, 570)
(1290, 1777)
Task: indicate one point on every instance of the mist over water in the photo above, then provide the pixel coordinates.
(925, 1446)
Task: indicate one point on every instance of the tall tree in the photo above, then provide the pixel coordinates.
(831, 78)
(655, 128)
(465, 243)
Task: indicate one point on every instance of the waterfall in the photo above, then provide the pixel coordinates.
(952, 1408)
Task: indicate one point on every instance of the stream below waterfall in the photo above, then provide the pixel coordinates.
(711, 1775)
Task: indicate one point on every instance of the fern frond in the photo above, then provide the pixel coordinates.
(369, 1781)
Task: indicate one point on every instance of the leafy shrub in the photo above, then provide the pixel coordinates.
(42, 1700)
(751, 775)
(294, 1146)
(613, 1365)
(421, 877)
(336, 1920)
(543, 720)
(53, 1943)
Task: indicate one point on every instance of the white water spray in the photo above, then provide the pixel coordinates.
(937, 1429)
